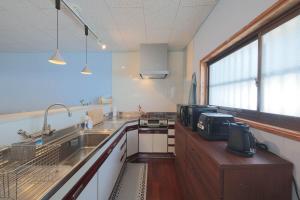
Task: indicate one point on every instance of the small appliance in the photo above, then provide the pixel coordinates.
(184, 114)
(179, 110)
(241, 141)
(214, 126)
(195, 112)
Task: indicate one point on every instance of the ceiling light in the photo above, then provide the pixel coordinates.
(56, 58)
(103, 46)
(123, 67)
(86, 70)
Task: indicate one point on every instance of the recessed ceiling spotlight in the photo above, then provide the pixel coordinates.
(103, 46)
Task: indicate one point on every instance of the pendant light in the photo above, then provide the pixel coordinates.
(86, 70)
(56, 58)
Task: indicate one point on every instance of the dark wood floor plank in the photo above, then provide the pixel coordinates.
(162, 181)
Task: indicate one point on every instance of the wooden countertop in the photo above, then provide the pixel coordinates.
(217, 151)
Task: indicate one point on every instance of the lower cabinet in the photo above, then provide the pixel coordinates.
(110, 170)
(132, 142)
(145, 143)
(160, 143)
(153, 143)
(90, 191)
(101, 185)
(206, 171)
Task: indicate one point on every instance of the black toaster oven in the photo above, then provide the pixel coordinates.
(179, 110)
(184, 114)
(214, 126)
(194, 113)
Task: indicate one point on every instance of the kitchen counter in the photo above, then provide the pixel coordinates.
(66, 172)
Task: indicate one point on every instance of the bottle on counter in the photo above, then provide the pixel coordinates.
(87, 122)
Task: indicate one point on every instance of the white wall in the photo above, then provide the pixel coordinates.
(228, 17)
(129, 91)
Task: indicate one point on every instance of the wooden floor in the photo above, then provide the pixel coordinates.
(162, 181)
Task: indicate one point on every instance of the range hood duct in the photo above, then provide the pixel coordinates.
(154, 61)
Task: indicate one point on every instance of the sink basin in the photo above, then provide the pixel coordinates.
(74, 149)
(53, 160)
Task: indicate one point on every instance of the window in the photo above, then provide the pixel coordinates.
(257, 78)
(280, 76)
(232, 80)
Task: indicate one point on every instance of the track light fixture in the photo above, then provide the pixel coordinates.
(56, 58)
(86, 70)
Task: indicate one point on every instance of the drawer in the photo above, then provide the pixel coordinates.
(171, 132)
(196, 189)
(171, 149)
(171, 140)
(203, 168)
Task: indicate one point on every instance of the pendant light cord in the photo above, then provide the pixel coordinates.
(86, 33)
(86, 49)
(57, 28)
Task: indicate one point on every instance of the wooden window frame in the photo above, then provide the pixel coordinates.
(281, 12)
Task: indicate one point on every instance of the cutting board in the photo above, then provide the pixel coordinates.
(96, 115)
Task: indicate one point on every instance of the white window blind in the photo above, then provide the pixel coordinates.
(232, 79)
(281, 69)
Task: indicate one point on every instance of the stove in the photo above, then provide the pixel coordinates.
(153, 123)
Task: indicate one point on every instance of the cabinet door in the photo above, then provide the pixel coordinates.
(145, 143)
(110, 170)
(105, 183)
(132, 142)
(90, 191)
(160, 143)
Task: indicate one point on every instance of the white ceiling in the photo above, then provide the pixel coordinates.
(30, 25)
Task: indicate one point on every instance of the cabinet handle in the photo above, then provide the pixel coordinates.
(109, 151)
(77, 192)
(123, 156)
(122, 146)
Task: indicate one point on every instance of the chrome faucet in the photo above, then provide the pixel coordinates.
(47, 128)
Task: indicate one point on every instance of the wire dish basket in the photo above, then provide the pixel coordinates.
(26, 169)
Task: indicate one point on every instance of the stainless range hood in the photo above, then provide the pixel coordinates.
(154, 61)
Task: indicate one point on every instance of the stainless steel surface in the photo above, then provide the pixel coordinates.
(25, 168)
(153, 122)
(28, 172)
(46, 128)
(76, 147)
(154, 129)
(73, 149)
(159, 115)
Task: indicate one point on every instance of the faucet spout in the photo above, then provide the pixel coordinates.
(46, 128)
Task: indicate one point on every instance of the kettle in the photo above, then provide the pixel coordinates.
(241, 141)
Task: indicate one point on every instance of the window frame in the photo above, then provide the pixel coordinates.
(278, 120)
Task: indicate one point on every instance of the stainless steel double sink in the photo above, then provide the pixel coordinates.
(73, 150)
(75, 146)
(72, 145)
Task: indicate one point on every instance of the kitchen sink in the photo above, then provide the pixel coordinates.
(35, 168)
(74, 149)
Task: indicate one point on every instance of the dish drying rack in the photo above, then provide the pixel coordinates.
(26, 170)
